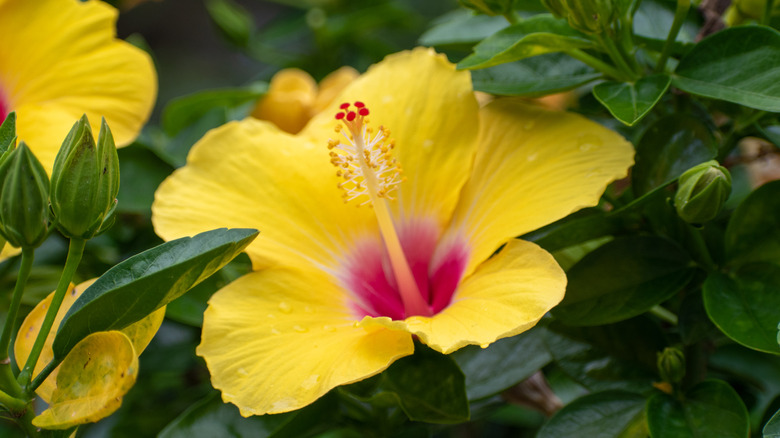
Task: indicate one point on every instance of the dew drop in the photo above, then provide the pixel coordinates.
(310, 381)
(307, 309)
(300, 329)
(242, 372)
(329, 328)
(427, 144)
(531, 157)
(285, 307)
(588, 142)
(275, 331)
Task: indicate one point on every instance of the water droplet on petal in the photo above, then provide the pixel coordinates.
(329, 328)
(285, 307)
(275, 331)
(300, 329)
(242, 372)
(310, 381)
(532, 157)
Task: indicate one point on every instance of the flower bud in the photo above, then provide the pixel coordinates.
(702, 191)
(85, 180)
(591, 17)
(24, 199)
(671, 365)
(489, 7)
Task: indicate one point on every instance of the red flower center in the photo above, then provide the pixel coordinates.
(437, 269)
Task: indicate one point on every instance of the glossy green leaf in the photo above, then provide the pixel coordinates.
(211, 417)
(744, 305)
(607, 414)
(772, 428)
(537, 76)
(145, 282)
(503, 364)
(753, 233)
(7, 132)
(462, 27)
(710, 409)
(617, 356)
(534, 36)
(184, 111)
(629, 102)
(429, 386)
(739, 64)
(684, 137)
(623, 278)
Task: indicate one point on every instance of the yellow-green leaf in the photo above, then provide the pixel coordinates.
(92, 380)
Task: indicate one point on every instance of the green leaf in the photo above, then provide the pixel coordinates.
(772, 428)
(147, 281)
(537, 76)
(210, 417)
(7, 132)
(430, 387)
(615, 356)
(744, 305)
(140, 172)
(771, 133)
(606, 414)
(185, 111)
(739, 64)
(630, 102)
(462, 27)
(669, 147)
(623, 278)
(233, 21)
(710, 409)
(505, 363)
(534, 36)
(753, 232)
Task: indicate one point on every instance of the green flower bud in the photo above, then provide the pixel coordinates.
(671, 365)
(702, 191)
(489, 7)
(592, 17)
(24, 199)
(85, 180)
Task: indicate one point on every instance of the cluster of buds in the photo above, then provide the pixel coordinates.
(79, 199)
(591, 17)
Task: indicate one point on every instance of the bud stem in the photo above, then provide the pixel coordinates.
(679, 18)
(28, 255)
(767, 12)
(75, 251)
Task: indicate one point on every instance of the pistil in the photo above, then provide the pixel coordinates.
(368, 169)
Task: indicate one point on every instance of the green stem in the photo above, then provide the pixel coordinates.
(38, 380)
(597, 64)
(28, 255)
(617, 57)
(75, 251)
(13, 404)
(703, 253)
(510, 17)
(664, 314)
(767, 17)
(679, 17)
(25, 422)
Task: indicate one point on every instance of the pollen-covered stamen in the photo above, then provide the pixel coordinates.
(369, 171)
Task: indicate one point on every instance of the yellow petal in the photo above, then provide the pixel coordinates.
(9, 251)
(140, 333)
(533, 167)
(507, 295)
(331, 86)
(278, 339)
(249, 174)
(60, 59)
(289, 100)
(92, 380)
(431, 112)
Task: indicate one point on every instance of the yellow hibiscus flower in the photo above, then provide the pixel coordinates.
(60, 59)
(339, 292)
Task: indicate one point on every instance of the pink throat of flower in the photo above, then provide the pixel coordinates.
(3, 107)
(437, 269)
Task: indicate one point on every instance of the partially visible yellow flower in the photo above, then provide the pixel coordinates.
(293, 97)
(340, 292)
(60, 59)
